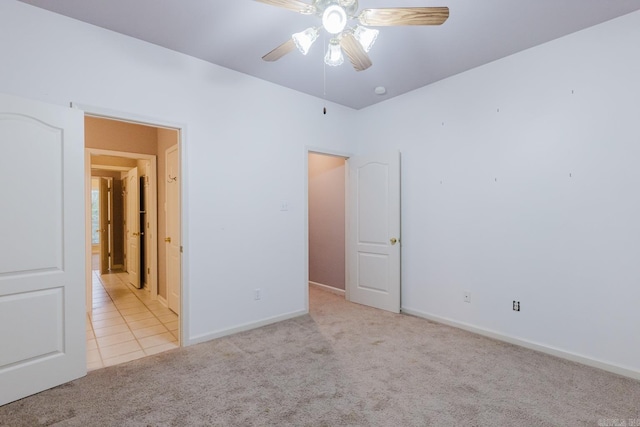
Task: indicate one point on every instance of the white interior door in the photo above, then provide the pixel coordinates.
(374, 231)
(42, 255)
(133, 227)
(173, 238)
(104, 225)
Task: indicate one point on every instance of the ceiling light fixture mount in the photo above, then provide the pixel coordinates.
(334, 19)
(355, 41)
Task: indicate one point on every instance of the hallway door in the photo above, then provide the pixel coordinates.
(173, 238)
(42, 256)
(374, 231)
(104, 225)
(133, 227)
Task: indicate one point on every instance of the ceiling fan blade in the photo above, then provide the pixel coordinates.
(353, 49)
(295, 5)
(280, 51)
(404, 16)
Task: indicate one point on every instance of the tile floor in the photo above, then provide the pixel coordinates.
(126, 324)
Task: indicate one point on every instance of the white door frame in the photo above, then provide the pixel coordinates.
(153, 217)
(182, 135)
(346, 156)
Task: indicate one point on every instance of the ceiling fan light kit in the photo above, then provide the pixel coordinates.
(334, 55)
(334, 19)
(356, 41)
(366, 36)
(305, 39)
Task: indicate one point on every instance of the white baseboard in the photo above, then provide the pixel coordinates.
(245, 327)
(631, 373)
(163, 301)
(327, 288)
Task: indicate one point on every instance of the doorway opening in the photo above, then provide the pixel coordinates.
(327, 177)
(367, 238)
(132, 274)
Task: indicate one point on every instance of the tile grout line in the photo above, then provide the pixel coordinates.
(152, 312)
(93, 329)
(121, 283)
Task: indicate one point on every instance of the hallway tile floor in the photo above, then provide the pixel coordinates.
(126, 324)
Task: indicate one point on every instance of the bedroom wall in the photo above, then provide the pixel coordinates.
(521, 181)
(244, 154)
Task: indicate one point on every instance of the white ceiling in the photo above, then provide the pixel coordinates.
(236, 34)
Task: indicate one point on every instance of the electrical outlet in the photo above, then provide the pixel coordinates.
(258, 294)
(467, 296)
(516, 306)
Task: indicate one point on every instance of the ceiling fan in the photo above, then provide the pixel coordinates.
(354, 41)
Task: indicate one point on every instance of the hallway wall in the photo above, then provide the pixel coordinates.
(327, 220)
(124, 137)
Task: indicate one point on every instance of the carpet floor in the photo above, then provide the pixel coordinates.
(341, 365)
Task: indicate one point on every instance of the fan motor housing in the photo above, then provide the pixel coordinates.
(349, 6)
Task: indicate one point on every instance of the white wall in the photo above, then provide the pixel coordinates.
(245, 152)
(557, 231)
(521, 181)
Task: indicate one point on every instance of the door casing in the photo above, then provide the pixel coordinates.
(182, 132)
(348, 217)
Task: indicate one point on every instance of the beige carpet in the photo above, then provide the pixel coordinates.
(344, 364)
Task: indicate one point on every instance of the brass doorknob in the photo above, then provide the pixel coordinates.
(393, 240)
(168, 239)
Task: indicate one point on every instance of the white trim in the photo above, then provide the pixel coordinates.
(122, 116)
(620, 370)
(182, 138)
(245, 327)
(327, 288)
(162, 300)
(326, 152)
(88, 249)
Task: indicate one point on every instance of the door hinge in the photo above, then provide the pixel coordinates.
(148, 271)
(181, 249)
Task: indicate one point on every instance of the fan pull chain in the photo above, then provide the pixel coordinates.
(324, 74)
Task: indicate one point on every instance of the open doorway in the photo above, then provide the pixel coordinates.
(327, 222)
(128, 311)
(363, 244)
